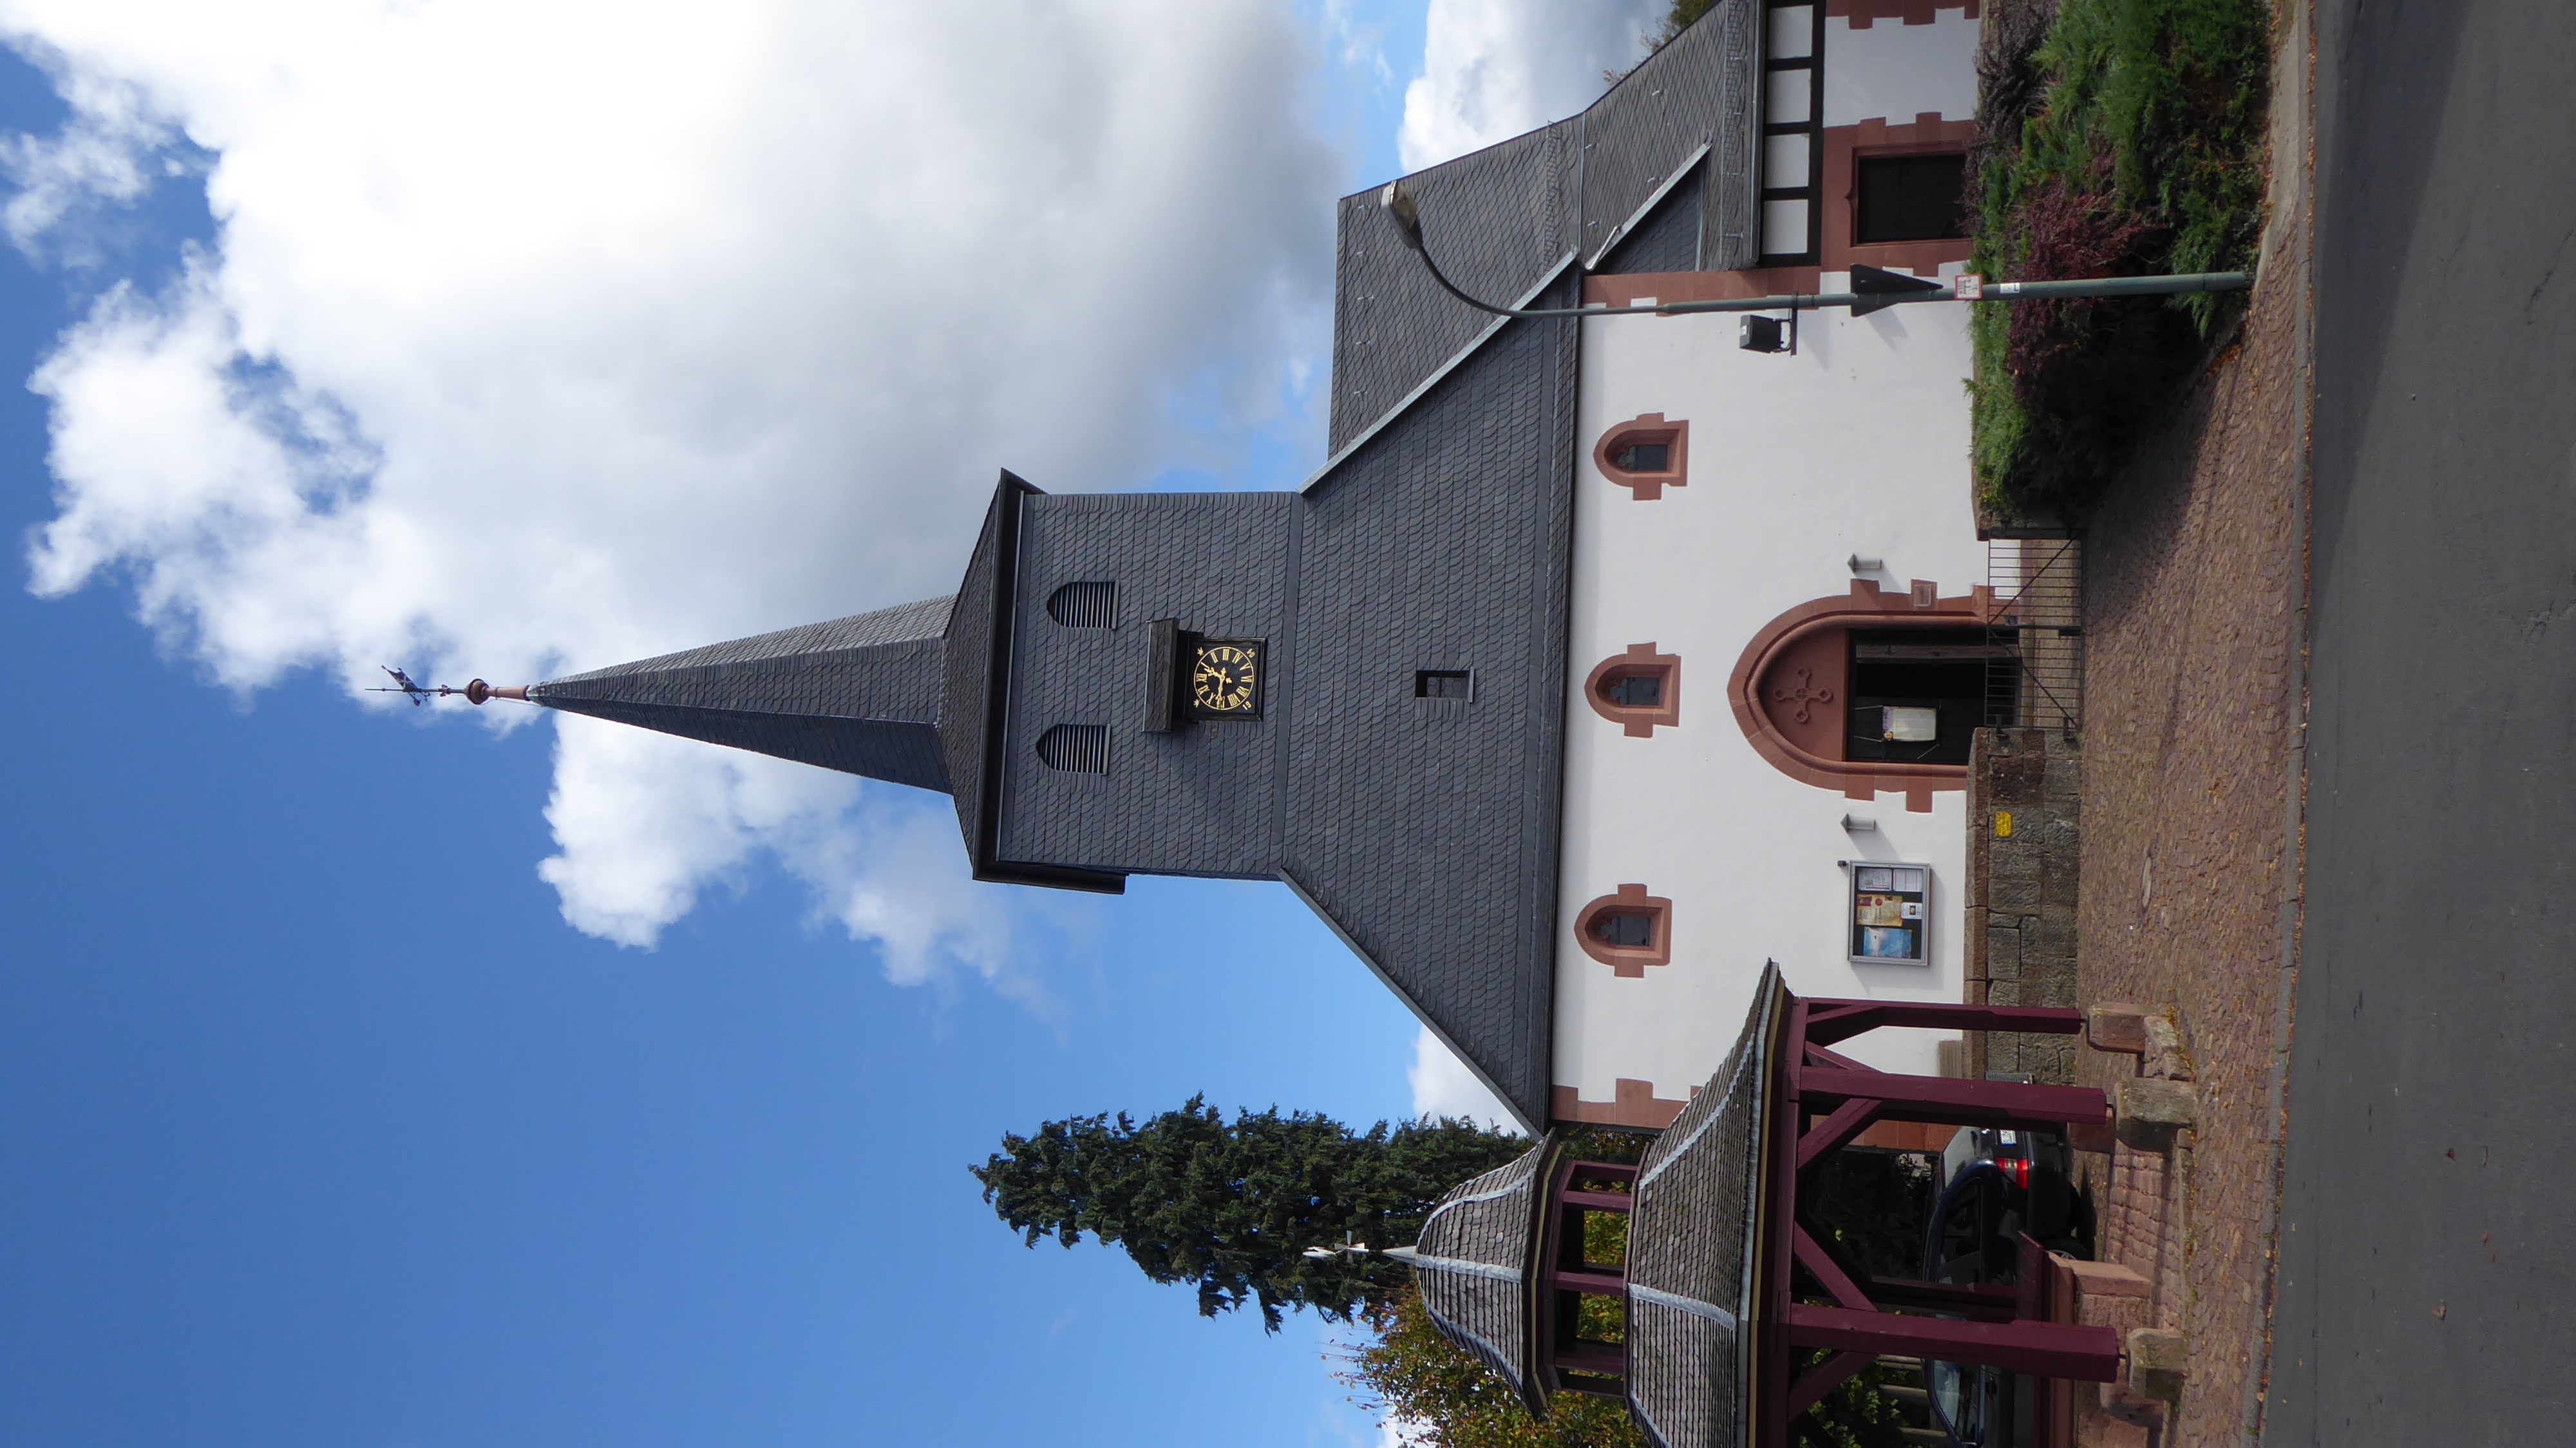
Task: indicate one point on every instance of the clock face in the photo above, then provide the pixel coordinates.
(1225, 683)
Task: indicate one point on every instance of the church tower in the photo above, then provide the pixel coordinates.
(1604, 666)
(1357, 689)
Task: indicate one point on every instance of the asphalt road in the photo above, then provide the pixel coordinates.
(2427, 1284)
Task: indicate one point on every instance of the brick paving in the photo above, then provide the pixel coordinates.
(2195, 629)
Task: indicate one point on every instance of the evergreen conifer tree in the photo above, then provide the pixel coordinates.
(1232, 1207)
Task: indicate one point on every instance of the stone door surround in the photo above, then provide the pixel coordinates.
(1786, 690)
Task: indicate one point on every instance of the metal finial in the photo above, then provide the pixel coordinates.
(475, 692)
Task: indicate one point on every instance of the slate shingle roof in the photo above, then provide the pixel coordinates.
(1501, 218)
(858, 694)
(1692, 1267)
(1476, 1263)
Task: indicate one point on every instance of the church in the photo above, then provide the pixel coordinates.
(1604, 664)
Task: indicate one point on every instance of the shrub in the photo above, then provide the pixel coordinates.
(2122, 137)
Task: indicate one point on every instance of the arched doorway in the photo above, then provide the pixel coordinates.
(1869, 691)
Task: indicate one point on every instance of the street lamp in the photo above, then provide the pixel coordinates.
(1872, 288)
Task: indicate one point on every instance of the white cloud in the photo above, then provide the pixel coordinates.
(1443, 1086)
(538, 337)
(1492, 69)
(105, 156)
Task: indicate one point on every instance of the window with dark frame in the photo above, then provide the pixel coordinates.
(1440, 684)
(1910, 198)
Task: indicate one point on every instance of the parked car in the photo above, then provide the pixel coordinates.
(1994, 1186)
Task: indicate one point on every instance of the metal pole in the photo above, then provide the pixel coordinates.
(2188, 282)
(1404, 212)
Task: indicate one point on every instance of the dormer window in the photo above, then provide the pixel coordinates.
(1442, 684)
(1091, 604)
(1645, 455)
(1079, 748)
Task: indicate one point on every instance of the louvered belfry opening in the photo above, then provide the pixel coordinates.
(1586, 1341)
(1091, 604)
(1081, 748)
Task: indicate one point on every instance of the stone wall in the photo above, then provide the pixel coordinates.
(2024, 833)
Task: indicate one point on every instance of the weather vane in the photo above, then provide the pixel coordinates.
(475, 691)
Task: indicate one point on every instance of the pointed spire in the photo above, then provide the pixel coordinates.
(860, 694)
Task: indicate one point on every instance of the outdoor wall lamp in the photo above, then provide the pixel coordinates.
(1758, 333)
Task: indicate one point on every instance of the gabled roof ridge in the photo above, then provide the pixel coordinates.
(1422, 389)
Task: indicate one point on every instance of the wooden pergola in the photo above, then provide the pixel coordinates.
(1820, 1102)
(1729, 1292)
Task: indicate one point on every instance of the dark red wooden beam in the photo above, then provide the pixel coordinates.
(1600, 1171)
(1984, 1304)
(1830, 1374)
(1830, 1021)
(1773, 1362)
(2042, 1349)
(1598, 1201)
(1836, 1131)
(1819, 1056)
(1838, 1283)
(1944, 1099)
(2030, 1276)
(1608, 1359)
(1610, 1283)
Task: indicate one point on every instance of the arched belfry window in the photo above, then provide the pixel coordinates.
(1081, 748)
(1645, 455)
(1627, 931)
(1637, 690)
(1085, 605)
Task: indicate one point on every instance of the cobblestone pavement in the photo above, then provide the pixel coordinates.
(2194, 625)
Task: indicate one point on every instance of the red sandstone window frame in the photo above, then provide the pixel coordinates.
(1648, 429)
(1638, 661)
(1628, 961)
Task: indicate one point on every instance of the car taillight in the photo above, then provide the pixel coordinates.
(2017, 1171)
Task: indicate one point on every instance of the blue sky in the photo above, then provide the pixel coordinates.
(328, 1117)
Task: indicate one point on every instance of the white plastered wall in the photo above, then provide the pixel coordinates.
(1889, 69)
(1856, 445)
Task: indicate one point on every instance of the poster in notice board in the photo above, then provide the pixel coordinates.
(1890, 907)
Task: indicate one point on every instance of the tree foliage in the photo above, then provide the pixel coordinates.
(1445, 1398)
(1231, 1207)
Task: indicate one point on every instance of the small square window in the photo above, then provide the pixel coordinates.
(1440, 684)
(1910, 198)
